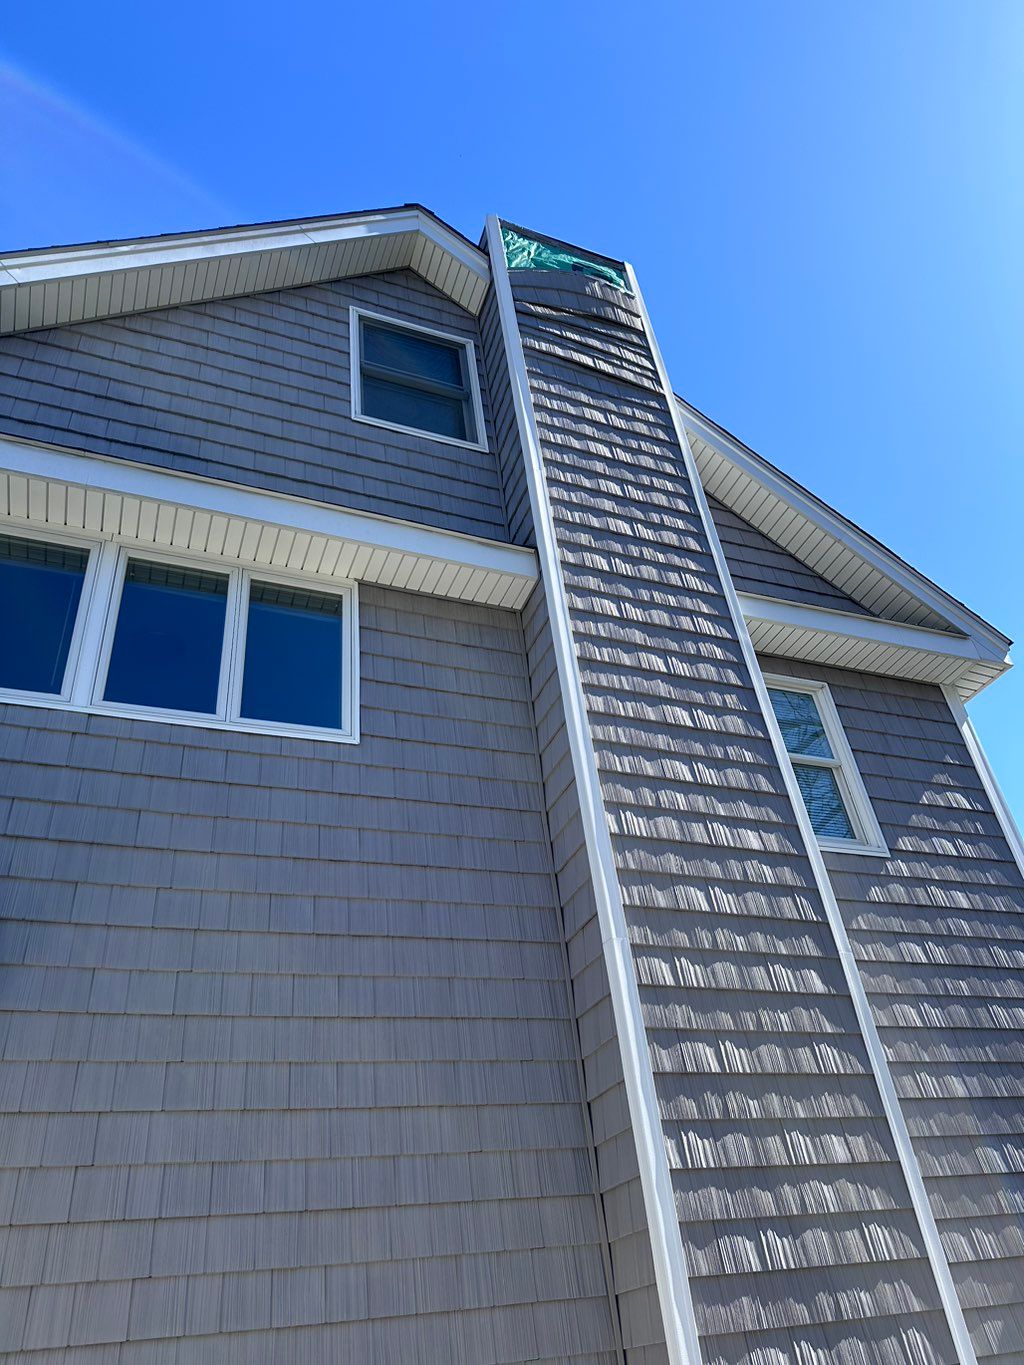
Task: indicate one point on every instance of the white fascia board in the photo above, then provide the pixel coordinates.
(959, 616)
(105, 475)
(33, 267)
(1009, 826)
(829, 622)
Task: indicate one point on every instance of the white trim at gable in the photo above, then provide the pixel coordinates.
(136, 504)
(843, 639)
(825, 541)
(62, 285)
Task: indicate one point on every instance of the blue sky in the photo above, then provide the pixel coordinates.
(824, 203)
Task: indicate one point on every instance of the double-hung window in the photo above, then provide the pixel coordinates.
(823, 763)
(414, 379)
(103, 627)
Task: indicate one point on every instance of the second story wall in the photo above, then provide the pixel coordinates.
(254, 390)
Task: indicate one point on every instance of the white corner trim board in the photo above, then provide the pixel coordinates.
(44, 487)
(880, 1067)
(1007, 823)
(670, 1269)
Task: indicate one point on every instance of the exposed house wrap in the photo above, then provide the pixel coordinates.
(318, 1051)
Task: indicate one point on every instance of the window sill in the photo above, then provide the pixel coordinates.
(418, 431)
(241, 727)
(853, 849)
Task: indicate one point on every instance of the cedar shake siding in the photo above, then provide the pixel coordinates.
(255, 390)
(288, 1066)
(444, 1031)
(794, 1214)
(938, 929)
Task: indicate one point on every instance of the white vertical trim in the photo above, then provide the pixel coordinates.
(989, 781)
(670, 1269)
(876, 1055)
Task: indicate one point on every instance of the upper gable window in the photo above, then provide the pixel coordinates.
(415, 380)
(829, 782)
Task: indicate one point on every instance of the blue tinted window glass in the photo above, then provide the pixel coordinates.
(294, 648)
(169, 638)
(824, 801)
(40, 587)
(413, 354)
(800, 723)
(408, 407)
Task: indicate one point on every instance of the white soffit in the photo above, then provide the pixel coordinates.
(818, 536)
(842, 639)
(42, 488)
(60, 285)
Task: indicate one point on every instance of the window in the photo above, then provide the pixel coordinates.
(182, 640)
(836, 801)
(41, 587)
(415, 380)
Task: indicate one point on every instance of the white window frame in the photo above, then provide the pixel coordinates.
(93, 637)
(868, 838)
(400, 325)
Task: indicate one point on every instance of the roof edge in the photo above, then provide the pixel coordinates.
(852, 536)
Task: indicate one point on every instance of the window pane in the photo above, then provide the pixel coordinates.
(294, 648)
(800, 723)
(40, 587)
(414, 408)
(169, 638)
(824, 801)
(413, 353)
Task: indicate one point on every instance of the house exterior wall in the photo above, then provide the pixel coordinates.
(288, 1065)
(255, 390)
(938, 930)
(794, 1215)
(759, 565)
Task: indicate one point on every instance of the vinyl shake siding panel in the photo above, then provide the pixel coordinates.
(288, 1064)
(255, 390)
(794, 1214)
(938, 929)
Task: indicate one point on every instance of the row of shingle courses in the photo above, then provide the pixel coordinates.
(794, 1214)
(938, 930)
(287, 1068)
(253, 390)
(758, 565)
(618, 1176)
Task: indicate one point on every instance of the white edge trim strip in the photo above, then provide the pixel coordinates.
(33, 267)
(663, 1222)
(873, 1043)
(876, 555)
(103, 474)
(989, 781)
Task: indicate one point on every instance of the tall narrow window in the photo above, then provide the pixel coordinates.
(41, 588)
(831, 787)
(169, 638)
(294, 656)
(414, 379)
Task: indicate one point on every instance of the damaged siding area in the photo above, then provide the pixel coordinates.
(938, 929)
(795, 1218)
(254, 390)
(288, 1068)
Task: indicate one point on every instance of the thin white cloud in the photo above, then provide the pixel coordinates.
(66, 175)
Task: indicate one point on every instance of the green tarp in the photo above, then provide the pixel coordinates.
(523, 253)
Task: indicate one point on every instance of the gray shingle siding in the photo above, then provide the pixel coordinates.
(254, 390)
(794, 1213)
(938, 930)
(758, 565)
(288, 1068)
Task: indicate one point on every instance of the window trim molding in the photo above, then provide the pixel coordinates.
(92, 641)
(869, 841)
(355, 315)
